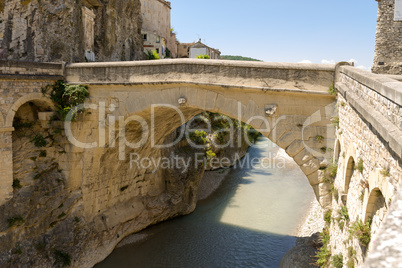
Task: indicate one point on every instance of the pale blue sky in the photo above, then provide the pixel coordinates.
(281, 30)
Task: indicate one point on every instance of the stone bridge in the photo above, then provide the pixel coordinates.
(288, 103)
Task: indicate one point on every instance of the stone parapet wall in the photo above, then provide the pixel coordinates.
(31, 68)
(276, 76)
(368, 156)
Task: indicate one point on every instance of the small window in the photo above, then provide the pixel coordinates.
(157, 50)
(144, 37)
(158, 39)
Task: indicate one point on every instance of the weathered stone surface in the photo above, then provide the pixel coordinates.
(388, 48)
(49, 31)
(302, 255)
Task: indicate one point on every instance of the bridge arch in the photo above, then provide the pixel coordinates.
(294, 122)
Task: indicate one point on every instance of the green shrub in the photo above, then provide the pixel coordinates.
(385, 172)
(15, 221)
(152, 55)
(343, 213)
(332, 90)
(203, 56)
(62, 259)
(323, 256)
(335, 121)
(319, 138)
(351, 257)
(199, 137)
(38, 140)
(17, 184)
(361, 231)
(333, 169)
(337, 260)
(327, 216)
(210, 154)
(360, 166)
(66, 96)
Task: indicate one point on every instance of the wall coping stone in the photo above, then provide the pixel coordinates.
(265, 89)
(30, 77)
(384, 85)
(30, 64)
(208, 62)
(386, 129)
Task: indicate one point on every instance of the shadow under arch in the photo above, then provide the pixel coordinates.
(375, 202)
(337, 150)
(350, 169)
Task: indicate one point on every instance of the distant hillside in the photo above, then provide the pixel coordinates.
(229, 57)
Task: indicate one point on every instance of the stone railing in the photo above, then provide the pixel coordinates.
(377, 99)
(293, 76)
(30, 70)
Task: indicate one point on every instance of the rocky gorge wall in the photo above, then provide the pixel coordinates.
(54, 31)
(50, 219)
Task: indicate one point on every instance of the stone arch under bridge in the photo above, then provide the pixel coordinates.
(296, 121)
(289, 101)
(6, 128)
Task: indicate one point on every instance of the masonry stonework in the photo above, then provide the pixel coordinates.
(388, 47)
(369, 166)
(83, 201)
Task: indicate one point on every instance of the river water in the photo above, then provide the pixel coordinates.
(250, 221)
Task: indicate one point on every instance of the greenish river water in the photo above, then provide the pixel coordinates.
(250, 221)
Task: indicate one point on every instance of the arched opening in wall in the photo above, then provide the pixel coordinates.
(33, 144)
(376, 210)
(247, 197)
(350, 168)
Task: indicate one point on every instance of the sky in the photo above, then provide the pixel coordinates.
(317, 31)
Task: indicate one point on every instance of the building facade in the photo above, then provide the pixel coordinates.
(192, 50)
(156, 29)
(388, 46)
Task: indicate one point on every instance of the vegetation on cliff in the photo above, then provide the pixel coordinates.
(66, 97)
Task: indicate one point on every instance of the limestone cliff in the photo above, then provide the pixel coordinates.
(50, 223)
(71, 31)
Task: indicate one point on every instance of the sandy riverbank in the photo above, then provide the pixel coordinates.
(313, 222)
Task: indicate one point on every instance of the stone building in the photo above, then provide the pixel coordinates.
(192, 50)
(156, 29)
(388, 47)
(72, 31)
